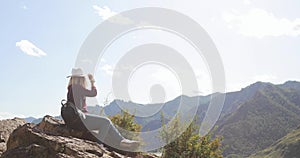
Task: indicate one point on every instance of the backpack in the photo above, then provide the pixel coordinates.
(70, 115)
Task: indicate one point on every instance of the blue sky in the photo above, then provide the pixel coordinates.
(257, 40)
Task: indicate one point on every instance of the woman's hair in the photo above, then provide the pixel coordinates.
(78, 80)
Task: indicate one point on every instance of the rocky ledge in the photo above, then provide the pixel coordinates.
(51, 138)
(6, 128)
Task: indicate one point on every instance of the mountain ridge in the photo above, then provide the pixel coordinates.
(251, 119)
(271, 113)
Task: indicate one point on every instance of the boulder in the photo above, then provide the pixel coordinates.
(51, 138)
(27, 141)
(6, 128)
(53, 126)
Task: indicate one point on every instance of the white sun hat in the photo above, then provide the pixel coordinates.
(76, 72)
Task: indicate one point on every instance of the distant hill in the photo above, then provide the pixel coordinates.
(286, 147)
(235, 99)
(291, 85)
(29, 119)
(38, 120)
(272, 112)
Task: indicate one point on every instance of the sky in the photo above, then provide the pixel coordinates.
(258, 40)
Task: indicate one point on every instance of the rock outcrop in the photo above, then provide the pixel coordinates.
(51, 138)
(6, 128)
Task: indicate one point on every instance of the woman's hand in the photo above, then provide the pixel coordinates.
(91, 77)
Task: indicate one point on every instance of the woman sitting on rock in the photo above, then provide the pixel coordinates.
(106, 131)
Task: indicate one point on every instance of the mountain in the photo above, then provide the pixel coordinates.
(38, 120)
(95, 109)
(235, 99)
(29, 119)
(169, 109)
(232, 102)
(291, 85)
(286, 147)
(272, 112)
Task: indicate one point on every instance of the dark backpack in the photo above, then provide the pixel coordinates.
(70, 115)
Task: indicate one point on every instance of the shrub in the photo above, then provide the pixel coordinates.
(189, 143)
(125, 122)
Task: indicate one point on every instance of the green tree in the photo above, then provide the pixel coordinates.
(189, 143)
(126, 123)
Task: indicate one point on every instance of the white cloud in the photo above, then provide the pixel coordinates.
(260, 23)
(30, 49)
(104, 12)
(107, 14)
(108, 69)
(7, 115)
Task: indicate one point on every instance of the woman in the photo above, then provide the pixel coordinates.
(106, 131)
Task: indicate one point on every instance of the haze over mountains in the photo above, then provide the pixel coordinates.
(251, 120)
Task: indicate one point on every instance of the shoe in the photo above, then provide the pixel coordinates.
(126, 143)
